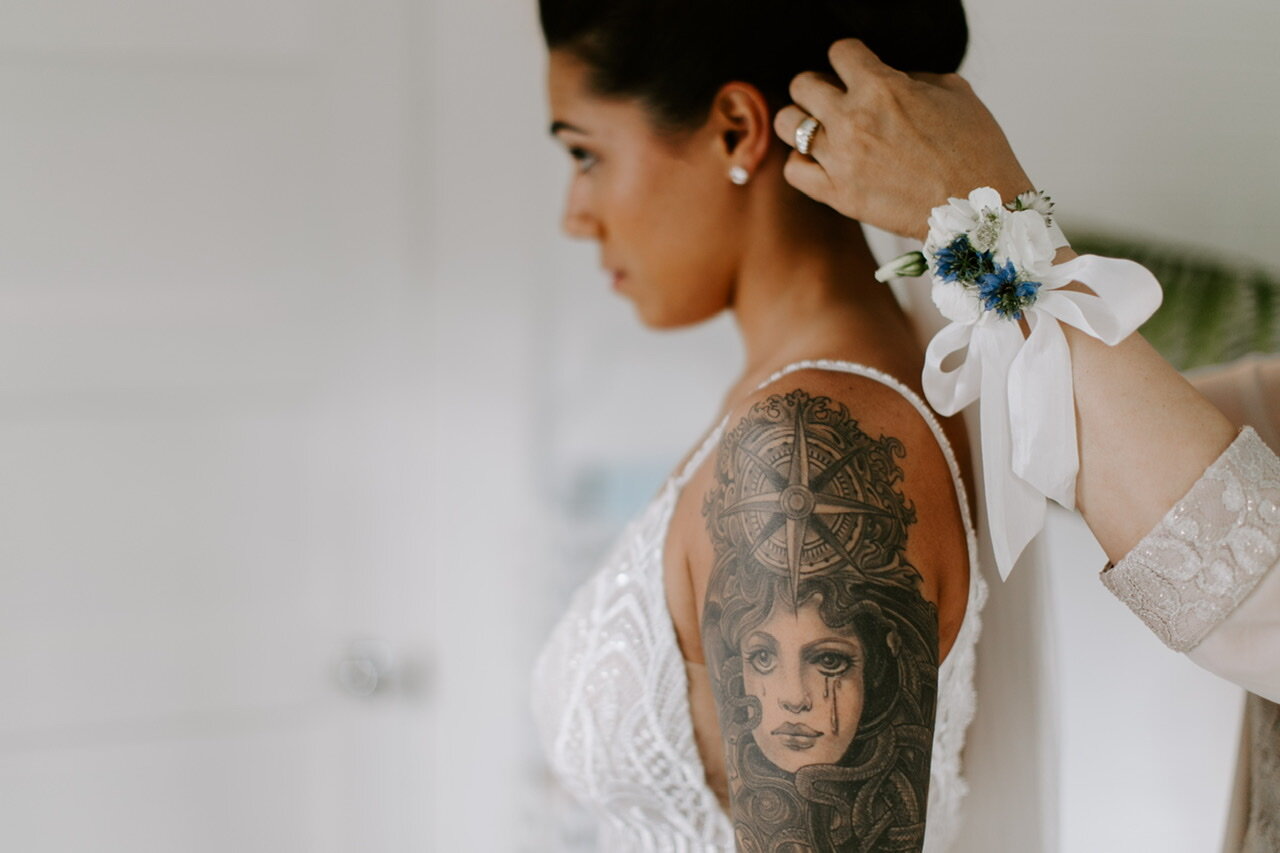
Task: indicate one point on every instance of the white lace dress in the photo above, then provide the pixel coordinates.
(611, 695)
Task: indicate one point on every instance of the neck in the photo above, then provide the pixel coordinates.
(806, 287)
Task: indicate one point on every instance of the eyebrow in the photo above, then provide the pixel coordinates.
(557, 126)
(852, 643)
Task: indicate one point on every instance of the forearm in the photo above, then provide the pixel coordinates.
(1145, 436)
(1206, 579)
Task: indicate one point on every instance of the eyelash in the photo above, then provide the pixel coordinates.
(757, 659)
(830, 664)
(584, 158)
(843, 663)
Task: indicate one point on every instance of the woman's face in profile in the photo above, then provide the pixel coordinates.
(809, 680)
(663, 211)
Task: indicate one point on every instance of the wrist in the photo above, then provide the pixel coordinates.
(1002, 274)
(1010, 186)
(1013, 184)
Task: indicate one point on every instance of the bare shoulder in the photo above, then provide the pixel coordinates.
(848, 410)
(832, 524)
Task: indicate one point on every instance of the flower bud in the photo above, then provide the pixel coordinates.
(910, 265)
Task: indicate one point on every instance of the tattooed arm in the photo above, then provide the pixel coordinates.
(821, 645)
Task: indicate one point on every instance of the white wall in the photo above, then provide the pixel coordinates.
(1155, 120)
(210, 449)
(487, 182)
(1161, 119)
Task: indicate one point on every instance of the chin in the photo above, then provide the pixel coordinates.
(659, 316)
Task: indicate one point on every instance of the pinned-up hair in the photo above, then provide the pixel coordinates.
(674, 55)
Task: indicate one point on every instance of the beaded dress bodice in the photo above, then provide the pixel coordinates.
(611, 692)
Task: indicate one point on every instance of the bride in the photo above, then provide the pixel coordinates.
(778, 654)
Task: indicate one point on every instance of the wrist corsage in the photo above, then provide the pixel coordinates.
(992, 266)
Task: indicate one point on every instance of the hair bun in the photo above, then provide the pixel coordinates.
(674, 55)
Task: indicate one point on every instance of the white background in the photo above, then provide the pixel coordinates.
(292, 356)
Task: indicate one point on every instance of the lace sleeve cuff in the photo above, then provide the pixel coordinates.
(1209, 551)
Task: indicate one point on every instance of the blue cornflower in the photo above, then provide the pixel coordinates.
(1001, 291)
(959, 261)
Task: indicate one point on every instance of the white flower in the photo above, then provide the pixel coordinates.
(984, 199)
(1035, 200)
(990, 214)
(947, 222)
(1024, 239)
(980, 216)
(958, 303)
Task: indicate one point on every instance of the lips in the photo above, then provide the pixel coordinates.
(796, 736)
(614, 273)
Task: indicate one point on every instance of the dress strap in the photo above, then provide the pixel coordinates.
(841, 366)
(700, 454)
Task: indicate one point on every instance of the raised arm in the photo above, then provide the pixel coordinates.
(1146, 435)
(820, 637)
(891, 147)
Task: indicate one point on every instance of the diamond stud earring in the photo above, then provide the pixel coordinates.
(739, 175)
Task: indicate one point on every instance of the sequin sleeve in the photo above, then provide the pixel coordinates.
(1205, 580)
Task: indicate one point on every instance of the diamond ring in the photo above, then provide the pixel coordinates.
(805, 133)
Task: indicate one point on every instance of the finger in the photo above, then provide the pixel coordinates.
(786, 122)
(953, 82)
(930, 78)
(854, 61)
(817, 93)
(808, 177)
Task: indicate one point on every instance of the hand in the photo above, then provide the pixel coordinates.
(892, 146)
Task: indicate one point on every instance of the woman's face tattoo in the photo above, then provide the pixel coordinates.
(809, 680)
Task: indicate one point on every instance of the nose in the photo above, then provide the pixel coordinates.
(799, 707)
(795, 698)
(578, 222)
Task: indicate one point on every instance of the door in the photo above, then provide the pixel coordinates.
(214, 584)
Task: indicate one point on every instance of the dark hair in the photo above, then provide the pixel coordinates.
(674, 55)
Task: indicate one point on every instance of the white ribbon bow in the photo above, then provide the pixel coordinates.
(1027, 410)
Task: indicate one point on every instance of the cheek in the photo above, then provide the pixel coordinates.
(679, 242)
(847, 703)
(753, 683)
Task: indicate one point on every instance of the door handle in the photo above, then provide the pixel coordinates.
(364, 668)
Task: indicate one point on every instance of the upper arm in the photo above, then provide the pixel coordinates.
(1247, 391)
(821, 646)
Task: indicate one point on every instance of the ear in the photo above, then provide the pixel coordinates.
(743, 125)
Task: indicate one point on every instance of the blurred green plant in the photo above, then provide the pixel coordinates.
(1214, 310)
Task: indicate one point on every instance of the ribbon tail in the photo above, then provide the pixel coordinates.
(950, 391)
(1127, 295)
(1015, 510)
(1042, 412)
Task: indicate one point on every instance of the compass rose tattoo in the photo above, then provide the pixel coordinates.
(822, 651)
